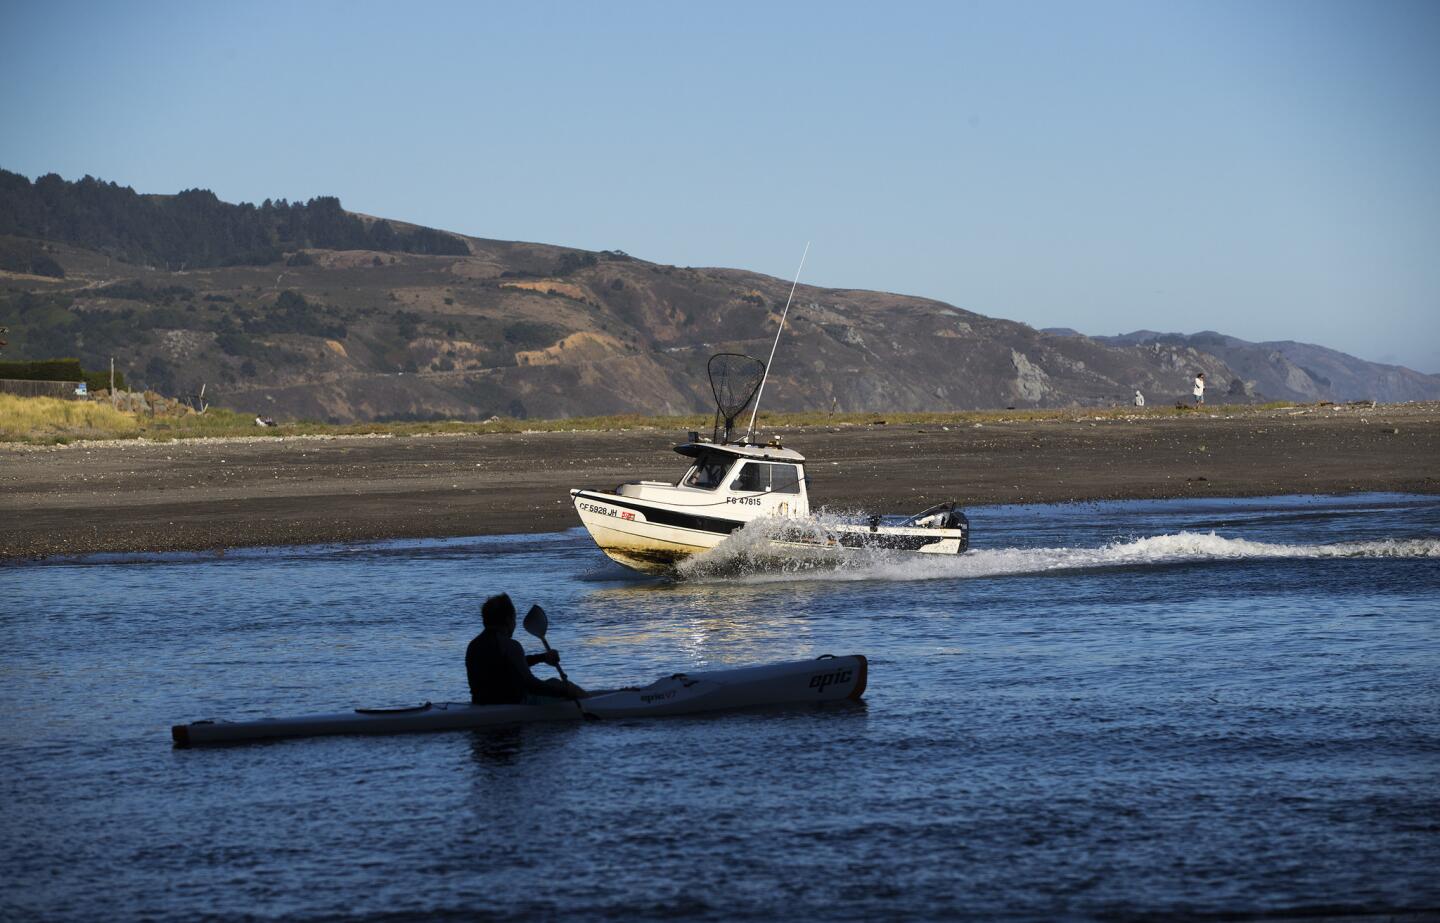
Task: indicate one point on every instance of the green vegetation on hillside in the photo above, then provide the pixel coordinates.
(292, 313)
(48, 324)
(29, 257)
(192, 229)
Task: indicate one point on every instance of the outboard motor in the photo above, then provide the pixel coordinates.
(958, 520)
(941, 516)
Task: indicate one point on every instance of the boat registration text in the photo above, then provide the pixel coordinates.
(607, 511)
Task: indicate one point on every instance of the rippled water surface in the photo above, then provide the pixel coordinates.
(1188, 707)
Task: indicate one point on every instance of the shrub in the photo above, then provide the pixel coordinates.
(527, 334)
(29, 257)
(135, 290)
(42, 264)
(292, 313)
(236, 343)
(159, 375)
(100, 381)
(571, 262)
(407, 325)
(43, 370)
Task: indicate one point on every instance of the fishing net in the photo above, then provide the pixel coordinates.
(734, 379)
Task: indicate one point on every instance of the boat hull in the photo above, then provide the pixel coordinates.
(647, 537)
(826, 679)
(653, 538)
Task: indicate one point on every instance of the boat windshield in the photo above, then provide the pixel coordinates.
(762, 477)
(707, 473)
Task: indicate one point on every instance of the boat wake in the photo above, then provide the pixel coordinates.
(753, 555)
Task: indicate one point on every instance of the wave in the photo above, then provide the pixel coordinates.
(754, 558)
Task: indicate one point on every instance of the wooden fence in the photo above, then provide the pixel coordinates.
(60, 389)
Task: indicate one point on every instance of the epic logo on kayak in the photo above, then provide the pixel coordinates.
(819, 681)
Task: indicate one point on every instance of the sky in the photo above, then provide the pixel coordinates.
(1269, 169)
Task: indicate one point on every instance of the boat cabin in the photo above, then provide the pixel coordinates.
(735, 481)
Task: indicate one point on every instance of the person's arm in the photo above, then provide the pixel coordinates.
(515, 655)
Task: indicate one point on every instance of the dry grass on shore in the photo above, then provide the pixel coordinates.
(52, 421)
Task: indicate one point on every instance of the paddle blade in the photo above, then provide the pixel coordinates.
(536, 623)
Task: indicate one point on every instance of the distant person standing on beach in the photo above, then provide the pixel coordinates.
(1139, 398)
(1199, 387)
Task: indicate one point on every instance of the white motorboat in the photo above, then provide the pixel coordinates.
(650, 526)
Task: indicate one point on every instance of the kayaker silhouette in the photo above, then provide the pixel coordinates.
(498, 667)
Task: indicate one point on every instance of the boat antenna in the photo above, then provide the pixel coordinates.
(750, 432)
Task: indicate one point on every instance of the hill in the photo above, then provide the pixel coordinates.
(307, 311)
(1295, 371)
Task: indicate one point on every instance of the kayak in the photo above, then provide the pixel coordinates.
(826, 679)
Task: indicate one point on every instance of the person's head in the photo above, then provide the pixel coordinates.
(498, 613)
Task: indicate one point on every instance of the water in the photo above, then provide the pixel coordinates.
(1189, 707)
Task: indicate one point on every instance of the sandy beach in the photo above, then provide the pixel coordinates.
(215, 494)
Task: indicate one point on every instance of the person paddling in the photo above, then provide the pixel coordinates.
(498, 668)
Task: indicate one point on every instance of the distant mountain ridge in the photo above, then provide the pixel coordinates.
(1289, 370)
(309, 311)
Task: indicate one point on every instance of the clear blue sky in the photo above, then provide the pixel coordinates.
(1270, 169)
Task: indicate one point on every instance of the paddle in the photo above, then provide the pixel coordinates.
(537, 624)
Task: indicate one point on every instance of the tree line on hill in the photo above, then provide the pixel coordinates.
(194, 229)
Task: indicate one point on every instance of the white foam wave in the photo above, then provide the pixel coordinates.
(754, 558)
(752, 550)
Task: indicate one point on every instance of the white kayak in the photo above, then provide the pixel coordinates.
(826, 679)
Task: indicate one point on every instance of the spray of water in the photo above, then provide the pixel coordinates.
(779, 546)
(764, 551)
